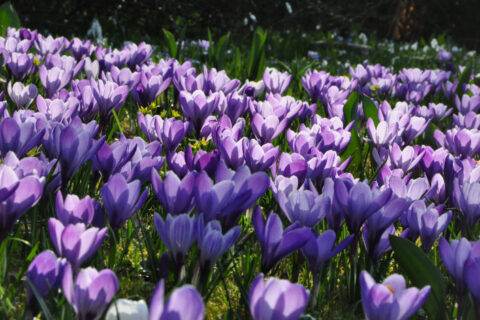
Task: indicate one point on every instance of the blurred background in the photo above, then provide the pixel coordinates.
(135, 20)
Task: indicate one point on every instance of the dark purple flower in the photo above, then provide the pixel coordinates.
(109, 95)
(110, 159)
(277, 243)
(359, 202)
(236, 105)
(277, 299)
(197, 106)
(175, 308)
(45, 273)
(121, 199)
(91, 293)
(20, 64)
(467, 200)
(212, 199)
(80, 49)
(178, 234)
(75, 242)
(175, 195)
(216, 81)
(390, 300)
(19, 134)
(232, 151)
(150, 87)
(213, 243)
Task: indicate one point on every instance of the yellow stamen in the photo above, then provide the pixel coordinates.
(390, 288)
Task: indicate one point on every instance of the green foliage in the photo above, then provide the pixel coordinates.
(8, 18)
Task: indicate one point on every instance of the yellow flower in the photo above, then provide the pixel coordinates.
(36, 61)
(144, 110)
(176, 114)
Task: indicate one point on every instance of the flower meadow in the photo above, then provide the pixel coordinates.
(138, 186)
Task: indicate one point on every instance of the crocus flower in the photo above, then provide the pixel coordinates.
(277, 243)
(178, 233)
(406, 159)
(57, 109)
(109, 95)
(175, 307)
(91, 292)
(360, 202)
(232, 152)
(277, 299)
(45, 273)
(471, 272)
(467, 199)
(54, 79)
(22, 95)
(74, 241)
(216, 81)
(382, 135)
(212, 199)
(121, 199)
(267, 128)
(19, 135)
(276, 81)
(175, 195)
(213, 243)
(111, 158)
(149, 88)
(321, 248)
(197, 106)
(390, 300)
(74, 210)
(454, 256)
(260, 157)
(20, 64)
(467, 103)
(124, 76)
(304, 206)
(170, 132)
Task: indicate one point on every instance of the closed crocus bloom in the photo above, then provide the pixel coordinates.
(454, 256)
(359, 202)
(76, 146)
(124, 309)
(293, 164)
(170, 132)
(18, 193)
(267, 128)
(54, 79)
(260, 157)
(111, 158)
(19, 135)
(57, 109)
(467, 103)
(91, 292)
(276, 81)
(197, 106)
(121, 199)
(321, 248)
(390, 300)
(22, 95)
(175, 307)
(45, 273)
(124, 77)
(382, 135)
(426, 222)
(232, 152)
(149, 88)
(219, 81)
(277, 299)
(178, 233)
(109, 95)
(175, 195)
(276, 242)
(467, 200)
(471, 272)
(74, 241)
(212, 199)
(304, 206)
(236, 105)
(406, 159)
(20, 64)
(213, 243)
(74, 210)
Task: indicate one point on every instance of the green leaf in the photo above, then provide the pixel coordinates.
(370, 110)
(421, 271)
(353, 150)
(349, 107)
(8, 18)
(172, 45)
(220, 50)
(40, 300)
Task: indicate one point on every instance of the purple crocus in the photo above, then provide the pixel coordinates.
(382, 135)
(212, 199)
(124, 76)
(304, 206)
(75, 242)
(54, 79)
(178, 233)
(22, 95)
(20, 64)
(197, 106)
(171, 132)
(277, 299)
(359, 202)
(467, 199)
(213, 243)
(276, 81)
(111, 158)
(91, 292)
(175, 195)
(45, 273)
(269, 127)
(149, 88)
(390, 300)
(109, 95)
(260, 157)
(232, 151)
(277, 243)
(175, 307)
(121, 199)
(74, 210)
(19, 134)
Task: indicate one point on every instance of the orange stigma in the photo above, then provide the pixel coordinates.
(390, 288)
